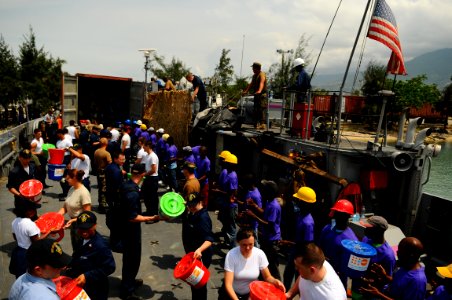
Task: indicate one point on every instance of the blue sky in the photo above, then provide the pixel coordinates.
(103, 37)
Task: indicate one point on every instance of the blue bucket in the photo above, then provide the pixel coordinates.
(56, 172)
(356, 257)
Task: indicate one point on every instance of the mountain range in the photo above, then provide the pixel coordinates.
(437, 65)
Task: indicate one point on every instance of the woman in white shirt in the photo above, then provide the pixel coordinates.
(25, 231)
(78, 200)
(243, 265)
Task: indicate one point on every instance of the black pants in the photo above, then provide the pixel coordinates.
(102, 189)
(127, 154)
(113, 221)
(290, 274)
(18, 263)
(131, 258)
(270, 249)
(149, 191)
(43, 170)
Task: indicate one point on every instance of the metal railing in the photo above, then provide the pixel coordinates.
(9, 143)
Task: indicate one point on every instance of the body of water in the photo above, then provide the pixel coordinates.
(441, 174)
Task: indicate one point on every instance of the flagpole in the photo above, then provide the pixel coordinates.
(338, 138)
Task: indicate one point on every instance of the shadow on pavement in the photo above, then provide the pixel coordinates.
(165, 262)
(8, 248)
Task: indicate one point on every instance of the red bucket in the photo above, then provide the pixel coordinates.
(31, 189)
(67, 289)
(261, 290)
(52, 222)
(192, 271)
(56, 156)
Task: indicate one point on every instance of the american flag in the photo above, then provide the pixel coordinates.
(383, 28)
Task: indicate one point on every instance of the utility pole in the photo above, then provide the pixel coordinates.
(147, 67)
(282, 52)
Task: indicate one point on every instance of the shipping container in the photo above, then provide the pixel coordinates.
(99, 97)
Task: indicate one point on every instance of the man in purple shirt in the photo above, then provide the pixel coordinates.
(332, 235)
(374, 232)
(195, 151)
(152, 136)
(444, 291)
(409, 281)
(270, 224)
(304, 230)
(144, 132)
(251, 197)
(229, 188)
(202, 173)
(188, 155)
(218, 187)
(171, 163)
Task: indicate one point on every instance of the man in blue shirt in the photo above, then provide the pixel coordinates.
(92, 260)
(45, 261)
(131, 219)
(114, 177)
(303, 82)
(199, 90)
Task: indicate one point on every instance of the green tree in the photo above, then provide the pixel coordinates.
(40, 74)
(224, 71)
(9, 75)
(174, 70)
(374, 78)
(281, 74)
(415, 92)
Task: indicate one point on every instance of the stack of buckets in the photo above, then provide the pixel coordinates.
(55, 165)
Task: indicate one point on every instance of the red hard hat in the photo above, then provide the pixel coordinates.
(344, 206)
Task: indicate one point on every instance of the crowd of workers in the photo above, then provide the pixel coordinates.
(132, 160)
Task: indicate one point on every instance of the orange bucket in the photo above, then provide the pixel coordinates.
(56, 156)
(192, 271)
(51, 222)
(67, 289)
(261, 290)
(31, 189)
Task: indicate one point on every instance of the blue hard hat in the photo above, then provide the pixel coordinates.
(127, 122)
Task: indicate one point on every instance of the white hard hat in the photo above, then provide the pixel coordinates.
(161, 130)
(298, 62)
(139, 123)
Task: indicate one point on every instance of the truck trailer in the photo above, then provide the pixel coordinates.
(98, 97)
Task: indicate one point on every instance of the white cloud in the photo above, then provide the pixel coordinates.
(103, 36)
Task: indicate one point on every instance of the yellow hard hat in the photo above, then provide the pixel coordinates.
(231, 158)
(305, 194)
(165, 136)
(224, 153)
(143, 127)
